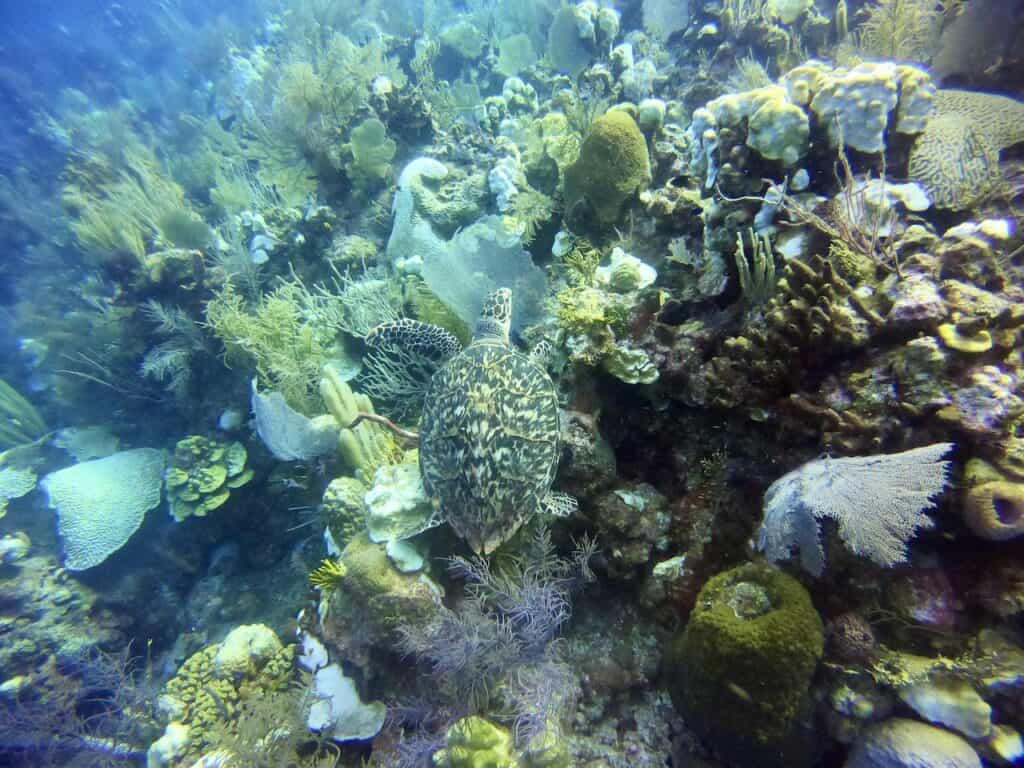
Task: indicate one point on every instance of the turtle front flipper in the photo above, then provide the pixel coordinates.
(542, 353)
(559, 504)
(419, 338)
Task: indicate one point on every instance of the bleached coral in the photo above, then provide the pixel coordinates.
(878, 502)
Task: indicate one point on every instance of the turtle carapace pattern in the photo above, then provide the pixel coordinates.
(489, 440)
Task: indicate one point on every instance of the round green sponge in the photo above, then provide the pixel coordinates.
(740, 670)
(612, 166)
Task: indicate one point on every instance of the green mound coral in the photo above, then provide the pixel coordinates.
(202, 474)
(342, 509)
(473, 742)
(612, 166)
(373, 598)
(956, 158)
(740, 670)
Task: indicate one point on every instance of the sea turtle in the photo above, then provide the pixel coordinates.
(489, 439)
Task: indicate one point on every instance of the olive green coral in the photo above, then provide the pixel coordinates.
(373, 598)
(201, 475)
(612, 166)
(956, 158)
(740, 671)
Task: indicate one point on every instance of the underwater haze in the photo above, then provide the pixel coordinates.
(512, 384)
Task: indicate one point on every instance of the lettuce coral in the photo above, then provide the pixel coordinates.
(201, 475)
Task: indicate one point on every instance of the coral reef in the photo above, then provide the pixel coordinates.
(759, 250)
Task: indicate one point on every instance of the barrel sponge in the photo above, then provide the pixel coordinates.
(778, 129)
(101, 503)
(740, 670)
(612, 166)
(956, 158)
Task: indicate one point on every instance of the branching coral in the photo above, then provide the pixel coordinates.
(900, 30)
(171, 361)
(321, 87)
(287, 336)
(138, 206)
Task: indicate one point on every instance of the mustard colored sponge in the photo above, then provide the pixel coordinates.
(611, 167)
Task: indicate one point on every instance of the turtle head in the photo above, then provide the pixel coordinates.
(495, 316)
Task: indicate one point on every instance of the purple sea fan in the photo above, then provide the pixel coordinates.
(878, 502)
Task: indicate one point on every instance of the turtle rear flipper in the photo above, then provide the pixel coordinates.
(559, 504)
(419, 338)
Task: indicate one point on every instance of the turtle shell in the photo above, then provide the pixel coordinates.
(489, 442)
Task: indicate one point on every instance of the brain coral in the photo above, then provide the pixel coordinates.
(101, 503)
(956, 158)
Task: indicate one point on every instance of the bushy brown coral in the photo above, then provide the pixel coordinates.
(813, 317)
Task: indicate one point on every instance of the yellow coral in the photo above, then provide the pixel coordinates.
(973, 343)
(209, 704)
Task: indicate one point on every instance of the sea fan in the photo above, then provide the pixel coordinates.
(878, 501)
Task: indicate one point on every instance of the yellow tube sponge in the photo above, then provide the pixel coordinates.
(366, 447)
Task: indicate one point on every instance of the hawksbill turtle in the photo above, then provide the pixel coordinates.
(489, 439)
